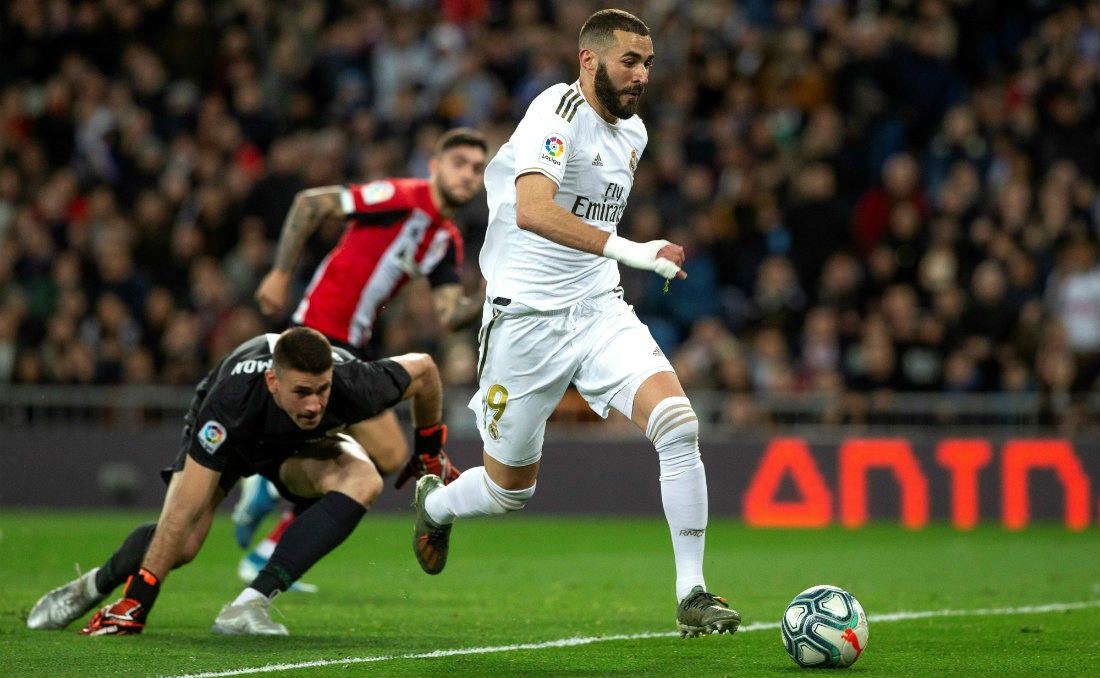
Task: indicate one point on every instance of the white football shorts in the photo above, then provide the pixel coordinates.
(527, 359)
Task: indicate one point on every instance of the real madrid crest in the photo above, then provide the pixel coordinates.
(633, 160)
(494, 431)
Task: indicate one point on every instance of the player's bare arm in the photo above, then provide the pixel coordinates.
(311, 208)
(537, 212)
(455, 310)
(184, 520)
(425, 388)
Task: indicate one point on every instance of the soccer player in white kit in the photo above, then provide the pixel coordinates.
(555, 315)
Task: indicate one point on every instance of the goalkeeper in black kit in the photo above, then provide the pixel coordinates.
(276, 406)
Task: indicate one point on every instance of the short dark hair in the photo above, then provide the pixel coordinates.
(598, 31)
(302, 349)
(461, 136)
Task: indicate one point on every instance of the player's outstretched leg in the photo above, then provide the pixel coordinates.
(430, 541)
(65, 604)
(701, 613)
(251, 618)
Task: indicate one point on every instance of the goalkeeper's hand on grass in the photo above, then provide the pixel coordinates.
(123, 618)
(127, 616)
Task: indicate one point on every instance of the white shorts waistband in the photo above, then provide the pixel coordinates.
(511, 307)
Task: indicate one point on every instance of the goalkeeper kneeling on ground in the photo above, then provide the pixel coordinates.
(270, 407)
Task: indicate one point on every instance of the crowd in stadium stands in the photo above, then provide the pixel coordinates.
(875, 196)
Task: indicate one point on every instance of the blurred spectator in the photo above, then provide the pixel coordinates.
(181, 346)
(770, 364)
(916, 341)
(872, 364)
(842, 288)
(402, 65)
(900, 183)
(958, 141)
(989, 319)
(271, 196)
(186, 41)
(817, 221)
(9, 346)
(117, 274)
(111, 333)
(246, 264)
(819, 347)
(778, 300)
(927, 80)
(1073, 296)
(708, 345)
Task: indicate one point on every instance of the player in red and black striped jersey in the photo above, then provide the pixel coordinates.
(396, 230)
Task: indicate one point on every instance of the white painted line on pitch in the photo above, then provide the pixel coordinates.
(572, 642)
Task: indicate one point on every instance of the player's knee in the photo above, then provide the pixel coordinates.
(508, 500)
(349, 471)
(674, 430)
(362, 483)
(673, 422)
(372, 487)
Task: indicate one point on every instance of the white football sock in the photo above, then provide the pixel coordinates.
(473, 494)
(674, 430)
(246, 595)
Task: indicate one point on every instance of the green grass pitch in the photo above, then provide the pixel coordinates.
(538, 595)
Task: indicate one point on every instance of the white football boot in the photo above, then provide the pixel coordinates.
(65, 604)
(248, 619)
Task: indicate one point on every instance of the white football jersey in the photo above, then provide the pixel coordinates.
(593, 163)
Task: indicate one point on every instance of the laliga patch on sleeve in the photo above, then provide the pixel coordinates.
(211, 436)
(376, 192)
(553, 150)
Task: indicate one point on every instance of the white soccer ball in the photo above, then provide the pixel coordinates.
(824, 626)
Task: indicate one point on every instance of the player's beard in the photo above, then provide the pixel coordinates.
(609, 97)
(452, 201)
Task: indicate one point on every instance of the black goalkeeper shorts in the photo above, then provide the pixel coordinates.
(233, 471)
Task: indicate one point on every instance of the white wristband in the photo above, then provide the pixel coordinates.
(640, 255)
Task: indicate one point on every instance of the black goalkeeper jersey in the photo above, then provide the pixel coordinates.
(233, 417)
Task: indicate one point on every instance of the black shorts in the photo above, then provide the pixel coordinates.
(233, 471)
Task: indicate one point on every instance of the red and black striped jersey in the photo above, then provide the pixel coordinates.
(393, 228)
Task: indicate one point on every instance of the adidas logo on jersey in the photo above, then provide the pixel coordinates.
(597, 162)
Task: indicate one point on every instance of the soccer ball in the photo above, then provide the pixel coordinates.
(824, 626)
